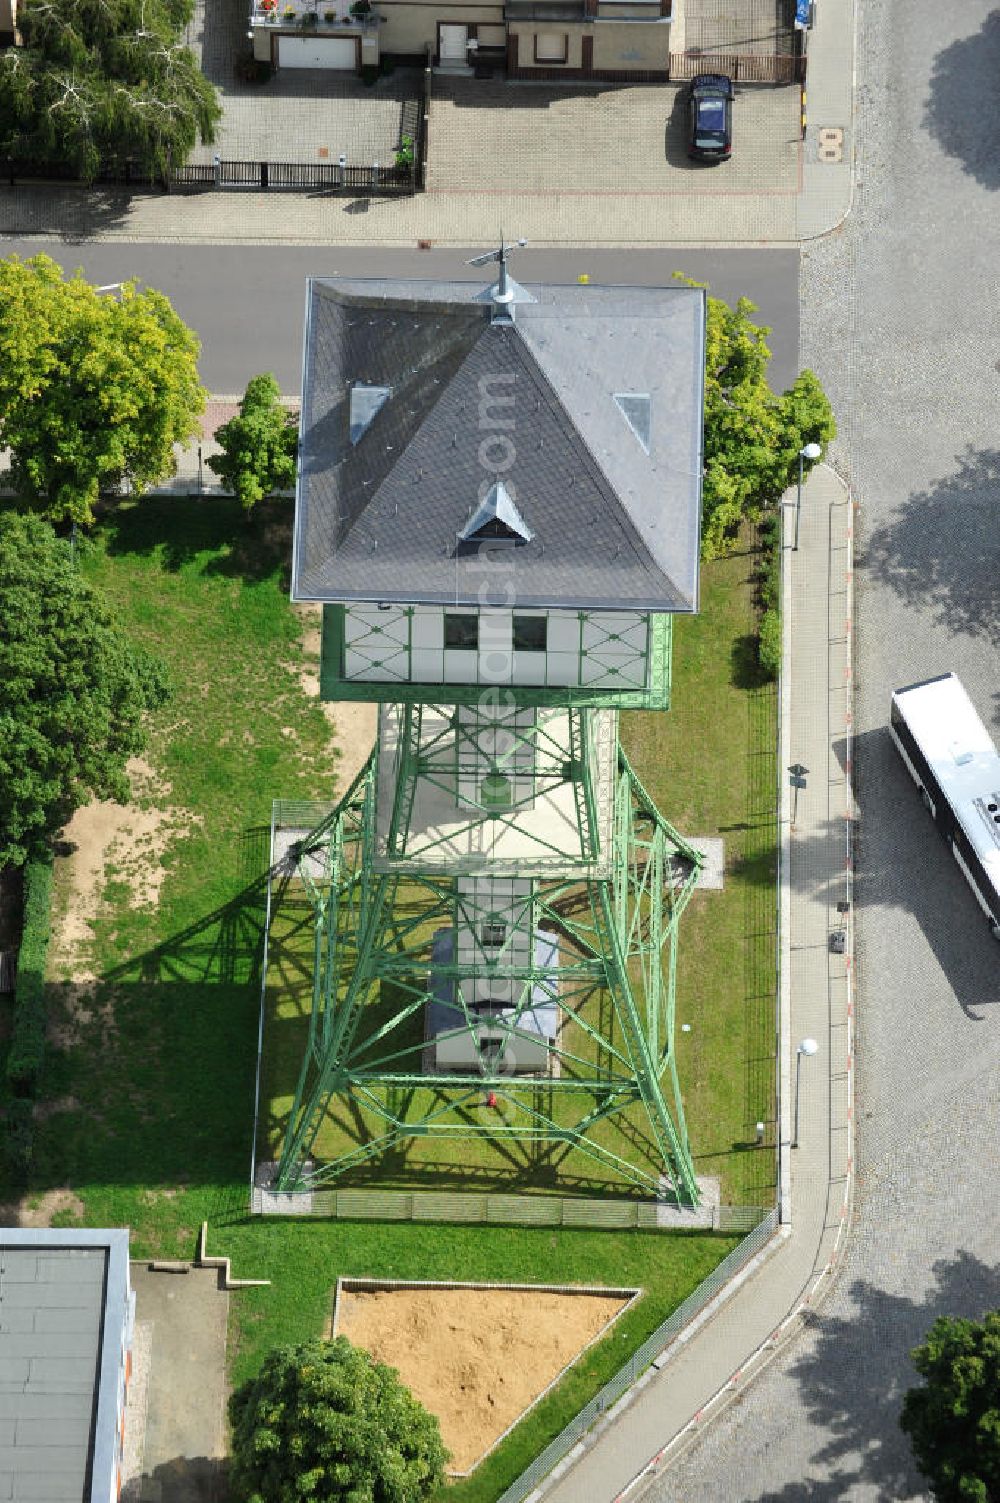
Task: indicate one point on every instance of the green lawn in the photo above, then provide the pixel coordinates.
(710, 765)
(149, 1087)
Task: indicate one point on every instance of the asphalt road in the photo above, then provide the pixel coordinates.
(248, 302)
(900, 320)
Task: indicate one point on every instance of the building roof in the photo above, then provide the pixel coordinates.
(418, 402)
(63, 1306)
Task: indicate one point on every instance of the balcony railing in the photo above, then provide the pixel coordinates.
(311, 15)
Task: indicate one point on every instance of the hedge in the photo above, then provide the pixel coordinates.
(27, 1048)
(769, 643)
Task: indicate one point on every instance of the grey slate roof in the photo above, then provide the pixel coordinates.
(614, 520)
(63, 1301)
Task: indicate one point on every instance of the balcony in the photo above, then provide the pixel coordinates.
(312, 15)
(545, 10)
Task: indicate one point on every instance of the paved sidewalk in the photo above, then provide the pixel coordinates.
(637, 1441)
(727, 214)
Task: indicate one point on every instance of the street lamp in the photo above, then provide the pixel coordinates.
(807, 1046)
(808, 451)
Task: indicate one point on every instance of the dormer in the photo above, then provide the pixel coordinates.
(496, 520)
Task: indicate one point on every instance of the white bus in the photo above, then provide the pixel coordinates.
(952, 760)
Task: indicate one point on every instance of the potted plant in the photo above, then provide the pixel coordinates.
(404, 152)
(289, 13)
(360, 9)
(330, 17)
(309, 20)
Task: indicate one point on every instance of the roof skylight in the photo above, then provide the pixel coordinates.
(635, 408)
(366, 402)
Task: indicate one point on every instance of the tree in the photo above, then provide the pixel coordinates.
(93, 389)
(73, 690)
(752, 437)
(259, 445)
(325, 1422)
(98, 81)
(953, 1418)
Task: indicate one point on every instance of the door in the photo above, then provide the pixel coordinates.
(338, 53)
(454, 42)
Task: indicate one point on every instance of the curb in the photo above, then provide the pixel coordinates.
(202, 1260)
(817, 1288)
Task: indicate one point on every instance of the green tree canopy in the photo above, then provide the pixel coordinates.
(953, 1417)
(94, 389)
(324, 1422)
(752, 436)
(73, 690)
(100, 80)
(259, 445)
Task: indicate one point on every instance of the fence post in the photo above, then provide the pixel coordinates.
(265, 181)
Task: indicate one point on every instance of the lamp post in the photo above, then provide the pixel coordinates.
(807, 1046)
(808, 451)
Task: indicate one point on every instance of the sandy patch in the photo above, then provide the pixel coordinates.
(32, 1211)
(477, 1358)
(354, 723)
(123, 840)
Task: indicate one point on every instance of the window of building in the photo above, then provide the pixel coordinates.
(551, 46)
(461, 630)
(530, 634)
(492, 934)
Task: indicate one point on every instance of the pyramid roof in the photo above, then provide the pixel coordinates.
(579, 424)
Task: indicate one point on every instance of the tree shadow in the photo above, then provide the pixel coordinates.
(69, 212)
(181, 529)
(745, 669)
(853, 1375)
(183, 1479)
(940, 548)
(964, 76)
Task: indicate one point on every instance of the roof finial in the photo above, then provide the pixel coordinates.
(506, 291)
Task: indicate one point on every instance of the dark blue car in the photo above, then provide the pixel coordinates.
(710, 118)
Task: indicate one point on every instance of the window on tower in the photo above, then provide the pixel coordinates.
(530, 633)
(461, 630)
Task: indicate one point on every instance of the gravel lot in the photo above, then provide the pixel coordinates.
(899, 318)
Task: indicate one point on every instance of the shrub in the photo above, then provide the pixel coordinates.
(258, 446)
(769, 643)
(325, 1420)
(769, 580)
(27, 1049)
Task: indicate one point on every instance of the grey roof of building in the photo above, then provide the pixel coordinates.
(608, 484)
(62, 1295)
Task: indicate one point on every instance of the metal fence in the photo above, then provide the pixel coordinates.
(328, 177)
(489, 1209)
(740, 67)
(637, 1364)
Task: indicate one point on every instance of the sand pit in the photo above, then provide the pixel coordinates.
(476, 1357)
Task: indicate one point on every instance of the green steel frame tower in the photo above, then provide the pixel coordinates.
(498, 509)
